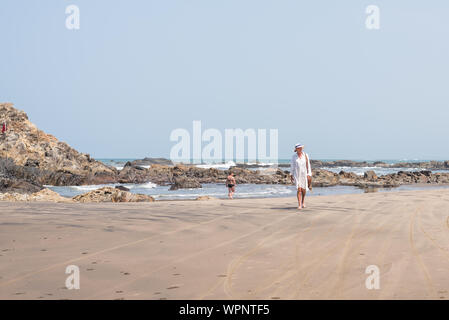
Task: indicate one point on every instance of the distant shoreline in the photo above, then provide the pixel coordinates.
(284, 163)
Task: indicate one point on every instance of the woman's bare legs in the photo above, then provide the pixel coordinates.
(300, 197)
(303, 197)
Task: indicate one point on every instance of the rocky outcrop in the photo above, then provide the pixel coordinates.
(123, 188)
(425, 176)
(428, 165)
(370, 175)
(185, 183)
(53, 162)
(134, 174)
(181, 176)
(166, 175)
(324, 178)
(339, 163)
(19, 179)
(44, 195)
(151, 161)
(36, 176)
(21, 186)
(109, 194)
(106, 194)
(48, 195)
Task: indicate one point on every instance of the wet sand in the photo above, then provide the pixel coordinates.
(221, 249)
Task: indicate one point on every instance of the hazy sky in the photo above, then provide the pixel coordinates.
(136, 70)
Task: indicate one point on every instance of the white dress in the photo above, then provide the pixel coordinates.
(298, 170)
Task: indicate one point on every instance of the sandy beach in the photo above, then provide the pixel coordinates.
(221, 249)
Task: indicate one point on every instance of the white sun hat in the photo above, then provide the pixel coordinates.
(299, 145)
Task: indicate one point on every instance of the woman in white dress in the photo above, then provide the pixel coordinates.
(300, 169)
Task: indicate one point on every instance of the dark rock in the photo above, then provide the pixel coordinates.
(370, 175)
(150, 161)
(337, 163)
(347, 175)
(184, 183)
(123, 188)
(324, 178)
(133, 174)
(18, 186)
(430, 165)
(108, 194)
(32, 163)
(427, 173)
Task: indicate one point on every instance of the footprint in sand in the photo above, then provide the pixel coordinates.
(176, 274)
(84, 252)
(119, 291)
(157, 293)
(172, 287)
(19, 293)
(43, 249)
(275, 298)
(125, 273)
(221, 276)
(90, 269)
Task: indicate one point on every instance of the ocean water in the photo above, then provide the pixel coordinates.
(220, 191)
(243, 190)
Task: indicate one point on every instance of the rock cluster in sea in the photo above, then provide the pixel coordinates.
(109, 194)
(427, 165)
(324, 178)
(181, 176)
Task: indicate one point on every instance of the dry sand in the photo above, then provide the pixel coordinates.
(221, 249)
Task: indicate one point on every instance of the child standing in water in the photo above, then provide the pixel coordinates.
(230, 183)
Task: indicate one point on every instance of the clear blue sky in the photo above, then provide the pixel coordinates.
(136, 70)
